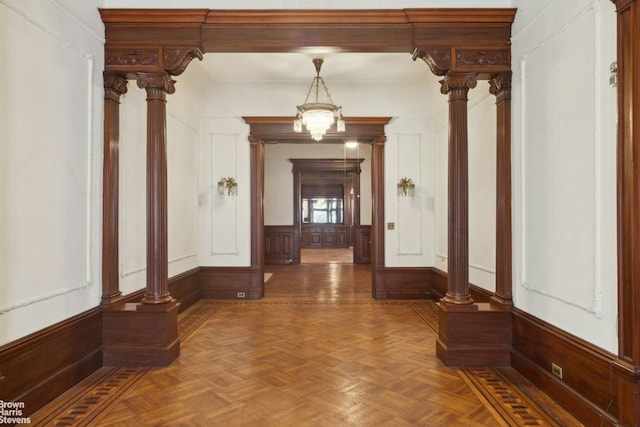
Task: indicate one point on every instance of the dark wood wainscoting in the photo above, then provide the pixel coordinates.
(420, 282)
(409, 283)
(588, 388)
(151, 336)
(325, 236)
(39, 367)
(228, 283)
(362, 244)
(184, 287)
(281, 244)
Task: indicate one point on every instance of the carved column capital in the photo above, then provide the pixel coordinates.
(501, 85)
(456, 85)
(114, 86)
(379, 140)
(253, 139)
(438, 59)
(157, 85)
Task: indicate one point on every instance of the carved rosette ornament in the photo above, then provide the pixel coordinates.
(466, 58)
(175, 60)
(438, 59)
(131, 58)
(157, 85)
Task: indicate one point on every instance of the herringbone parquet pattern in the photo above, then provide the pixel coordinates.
(316, 351)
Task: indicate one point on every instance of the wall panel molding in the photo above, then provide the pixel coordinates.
(87, 61)
(230, 202)
(409, 209)
(590, 11)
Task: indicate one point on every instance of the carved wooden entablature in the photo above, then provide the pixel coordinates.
(131, 60)
(448, 40)
(438, 59)
(485, 62)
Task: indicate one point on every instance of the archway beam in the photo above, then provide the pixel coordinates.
(154, 40)
(280, 129)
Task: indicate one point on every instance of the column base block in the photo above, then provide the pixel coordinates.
(474, 337)
(136, 334)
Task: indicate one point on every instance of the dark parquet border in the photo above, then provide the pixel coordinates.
(87, 400)
(93, 396)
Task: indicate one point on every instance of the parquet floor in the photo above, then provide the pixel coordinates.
(316, 351)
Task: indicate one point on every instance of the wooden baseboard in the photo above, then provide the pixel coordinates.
(39, 367)
(229, 283)
(419, 282)
(408, 283)
(184, 288)
(588, 385)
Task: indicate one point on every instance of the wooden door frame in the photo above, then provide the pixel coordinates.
(280, 128)
(345, 166)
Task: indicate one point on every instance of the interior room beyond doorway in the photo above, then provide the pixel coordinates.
(326, 255)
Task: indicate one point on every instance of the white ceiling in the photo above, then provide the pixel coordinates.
(374, 68)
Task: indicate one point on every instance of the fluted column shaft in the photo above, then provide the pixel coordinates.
(457, 86)
(500, 86)
(114, 87)
(157, 85)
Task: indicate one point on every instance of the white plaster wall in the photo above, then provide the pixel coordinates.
(482, 187)
(50, 162)
(224, 221)
(280, 98)
(564, 116)
(410, 153)
(278, 187)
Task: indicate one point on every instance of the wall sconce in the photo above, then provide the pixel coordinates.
(613, 78)
(406, 187)
(228, 184)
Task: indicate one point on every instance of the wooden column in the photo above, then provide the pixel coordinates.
(114, 87)
(627, 371)
(469, 334)
(256, 289)
(500, 86)
(146, 333)
(379, 290)
(157, 85)
(457, 86)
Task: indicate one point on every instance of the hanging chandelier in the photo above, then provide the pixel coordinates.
(318, 116)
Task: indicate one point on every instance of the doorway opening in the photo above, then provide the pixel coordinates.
(281, 244)
(326, 256)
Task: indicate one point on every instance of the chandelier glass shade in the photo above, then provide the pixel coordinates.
(318, 116)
